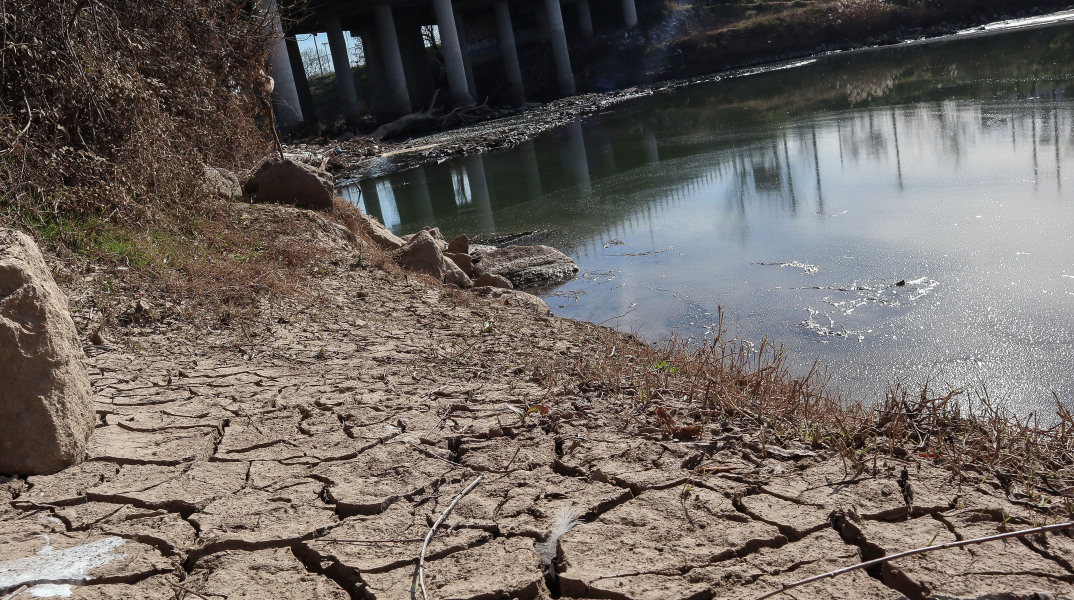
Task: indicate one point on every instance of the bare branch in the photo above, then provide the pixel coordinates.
(884, 559)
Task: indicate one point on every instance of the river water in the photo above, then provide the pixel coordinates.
(900, 214)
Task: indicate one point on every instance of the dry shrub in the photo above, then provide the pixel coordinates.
(109, 110)
(110, 107)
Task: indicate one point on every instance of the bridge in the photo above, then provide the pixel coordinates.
(489, 47)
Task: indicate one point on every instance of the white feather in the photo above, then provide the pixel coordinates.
(565, 520)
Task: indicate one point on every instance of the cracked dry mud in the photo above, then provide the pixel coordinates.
(233, 463)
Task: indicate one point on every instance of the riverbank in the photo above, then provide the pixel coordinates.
(282, 412)
(306, 451)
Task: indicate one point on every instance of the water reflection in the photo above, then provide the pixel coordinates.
(940, 167)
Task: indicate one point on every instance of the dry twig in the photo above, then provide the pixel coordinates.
(420, 575)
(884, 559)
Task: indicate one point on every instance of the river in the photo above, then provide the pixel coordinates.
(899, 214)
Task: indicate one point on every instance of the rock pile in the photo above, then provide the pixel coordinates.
(457, 263)
(46, 402)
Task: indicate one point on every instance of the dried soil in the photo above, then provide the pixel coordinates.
(307, 455)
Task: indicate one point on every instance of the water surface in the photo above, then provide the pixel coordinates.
(899, 214)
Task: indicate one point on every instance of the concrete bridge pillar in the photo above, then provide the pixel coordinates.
(305, 97)
(398, 95)
(374, 69)
(505, 35)
(419, 78)
(285, 101)
(630, 14)
(585, 19)
(560, 55)
(342, 64)
(460, 26)
(449, 41)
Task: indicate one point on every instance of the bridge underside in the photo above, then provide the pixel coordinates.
(496, 48)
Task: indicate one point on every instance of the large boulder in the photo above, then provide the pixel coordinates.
(285, 181)
(46, 401)
(422, 253)
(525, 266)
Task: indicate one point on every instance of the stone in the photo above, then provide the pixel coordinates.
(286, 181)
(435, 232)
(496, 281)
(526, 266)
(463, 261)
(46, 402)
(423, 254)
(381, 235)
(223, 183)
(459, 245)
(455, 275)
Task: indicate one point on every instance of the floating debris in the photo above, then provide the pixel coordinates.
(831, 329)
(642, 253)
(806, 268)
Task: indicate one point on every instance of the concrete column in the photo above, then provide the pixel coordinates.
(505, 36)
(585, 19)
(630, 14)
(342, 63)
(541, 16)
(460, 27)
(285, 102)
(305, 97)
(560, 55)
(449, 42)
(393, 60)
(375, 71)
(479, 192)
(419, 77)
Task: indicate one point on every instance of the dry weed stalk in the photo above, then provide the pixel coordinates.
(919, 551)
(419, 574)
(728, 383)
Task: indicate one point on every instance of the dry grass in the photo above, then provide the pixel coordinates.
(683, 390)
(110, 111)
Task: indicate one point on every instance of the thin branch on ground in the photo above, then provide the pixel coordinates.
(420, 574)
(884, 559)
(203, 596)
